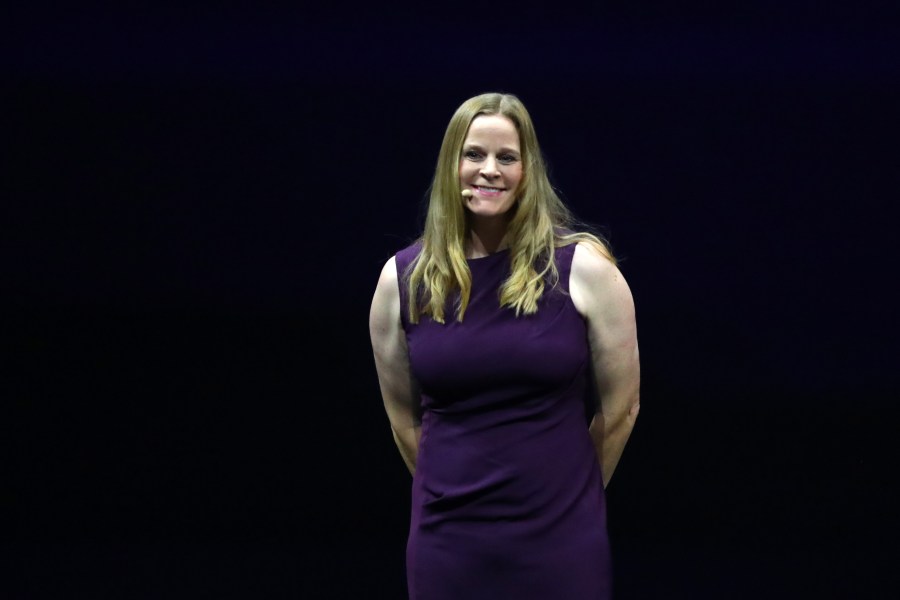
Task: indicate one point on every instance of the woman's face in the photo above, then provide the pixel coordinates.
(490, 165)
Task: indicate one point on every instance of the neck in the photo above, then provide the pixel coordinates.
(486, 239)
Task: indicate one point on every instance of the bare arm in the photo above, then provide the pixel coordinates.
(602, 296)
(398, 389)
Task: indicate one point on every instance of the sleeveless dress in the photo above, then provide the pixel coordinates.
(507, 495)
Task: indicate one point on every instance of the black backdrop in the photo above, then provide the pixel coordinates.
(196, 205)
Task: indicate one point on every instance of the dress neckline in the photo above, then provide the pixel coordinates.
(488, 256)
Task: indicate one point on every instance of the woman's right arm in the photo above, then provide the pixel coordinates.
(398, 389)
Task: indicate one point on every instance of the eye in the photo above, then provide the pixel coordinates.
(507, 159)
(472, 154)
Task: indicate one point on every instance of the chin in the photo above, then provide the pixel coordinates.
(491, 214)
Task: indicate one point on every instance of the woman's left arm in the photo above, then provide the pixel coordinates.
(602, 296)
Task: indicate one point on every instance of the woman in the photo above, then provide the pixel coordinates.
(491, 334)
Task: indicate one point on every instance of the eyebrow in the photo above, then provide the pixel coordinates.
(480, 147)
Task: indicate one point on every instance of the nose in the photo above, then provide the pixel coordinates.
(489, 170)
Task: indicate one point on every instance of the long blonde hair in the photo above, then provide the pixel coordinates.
(540, 223)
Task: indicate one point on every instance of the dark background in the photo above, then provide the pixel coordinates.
(197, 201)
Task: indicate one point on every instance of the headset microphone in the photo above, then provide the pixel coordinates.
(467, 193)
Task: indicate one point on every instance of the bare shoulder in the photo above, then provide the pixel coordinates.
(388, 276)
(384, 312)
(588, 262)
(596, 283)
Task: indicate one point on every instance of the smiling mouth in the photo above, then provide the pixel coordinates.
(489, 190)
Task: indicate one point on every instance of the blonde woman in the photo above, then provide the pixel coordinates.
(492, 333)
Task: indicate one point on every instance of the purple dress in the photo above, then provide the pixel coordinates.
(507, 497)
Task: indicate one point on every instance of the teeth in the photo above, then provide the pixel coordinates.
(488, 189)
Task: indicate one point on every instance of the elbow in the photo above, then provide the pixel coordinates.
(634, 402)
(634, 409)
